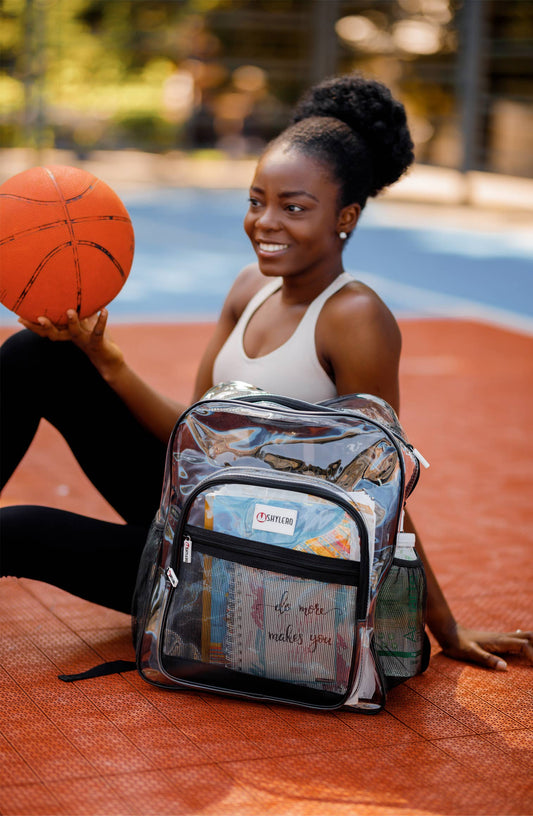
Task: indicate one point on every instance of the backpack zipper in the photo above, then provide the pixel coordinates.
(270, 556)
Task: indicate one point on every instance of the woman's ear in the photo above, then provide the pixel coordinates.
(348, 218)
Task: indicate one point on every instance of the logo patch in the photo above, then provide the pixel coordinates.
(274, 519)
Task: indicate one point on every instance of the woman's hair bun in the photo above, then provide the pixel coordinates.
(369, 109)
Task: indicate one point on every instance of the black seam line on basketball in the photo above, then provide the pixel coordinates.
(37, 272)
(31, 230)
(92, 186)
(106, 252)
(46, 202)
(71, 231)
(100, 218)
(51, 254)
(61, 223)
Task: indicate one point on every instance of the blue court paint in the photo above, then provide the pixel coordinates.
(190, 245)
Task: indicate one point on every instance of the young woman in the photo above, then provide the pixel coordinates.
(293, 323)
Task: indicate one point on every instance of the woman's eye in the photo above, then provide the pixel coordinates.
(295, 208)
(253, 202)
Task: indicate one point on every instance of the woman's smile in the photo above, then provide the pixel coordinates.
(271, 248)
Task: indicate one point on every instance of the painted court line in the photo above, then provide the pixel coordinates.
(420, 302)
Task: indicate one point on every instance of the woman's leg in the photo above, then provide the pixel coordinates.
(93, 559)
(19, 408)
(57, 382)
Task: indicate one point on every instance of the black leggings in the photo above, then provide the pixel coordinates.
(94, 559)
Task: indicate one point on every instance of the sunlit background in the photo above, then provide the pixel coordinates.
(220, 76)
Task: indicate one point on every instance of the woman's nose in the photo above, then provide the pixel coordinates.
(268, 219)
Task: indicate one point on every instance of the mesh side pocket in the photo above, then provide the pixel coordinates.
(399, 633)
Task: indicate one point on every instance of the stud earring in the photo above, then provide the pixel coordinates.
(343, 236)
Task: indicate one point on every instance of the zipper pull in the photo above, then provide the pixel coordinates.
(171, 575)
(187, 550)
(423, 462)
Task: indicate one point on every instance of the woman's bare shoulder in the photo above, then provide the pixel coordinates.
(357, 305)
(359, 343)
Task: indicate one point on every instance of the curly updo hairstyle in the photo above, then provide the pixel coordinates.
(355, 127)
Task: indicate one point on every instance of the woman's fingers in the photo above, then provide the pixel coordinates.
(517, 642)
(45, 328)
(101, 321)
(492, 661)
(485, 657)
(74, 325)
(527, 651)
(522, 643)
(95, 338)
(86, 333)
(475, 654)
(36, 328)
(486, 648)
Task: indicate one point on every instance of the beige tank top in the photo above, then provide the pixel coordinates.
(293, 369)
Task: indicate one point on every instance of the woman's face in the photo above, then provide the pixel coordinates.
(293, 217)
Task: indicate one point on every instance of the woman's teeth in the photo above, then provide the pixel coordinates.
(272, 247)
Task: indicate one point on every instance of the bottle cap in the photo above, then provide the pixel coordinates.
(405, 540)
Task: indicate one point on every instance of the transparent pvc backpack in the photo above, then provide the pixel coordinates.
(270, 569)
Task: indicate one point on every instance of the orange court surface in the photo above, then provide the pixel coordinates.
(456, 740)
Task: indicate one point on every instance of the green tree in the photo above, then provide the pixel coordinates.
(89, 71)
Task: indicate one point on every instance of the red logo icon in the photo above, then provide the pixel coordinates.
(261, 516)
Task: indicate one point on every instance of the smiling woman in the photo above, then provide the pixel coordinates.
(349, 139)
(294, 323)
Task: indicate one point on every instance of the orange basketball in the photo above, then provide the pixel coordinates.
(66, 242)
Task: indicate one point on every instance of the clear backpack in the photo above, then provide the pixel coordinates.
(275, 568)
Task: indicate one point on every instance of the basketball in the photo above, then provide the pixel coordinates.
(66, 242)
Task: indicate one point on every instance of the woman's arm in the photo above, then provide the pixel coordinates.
(154, 410)
(457, 641)
(361, 343)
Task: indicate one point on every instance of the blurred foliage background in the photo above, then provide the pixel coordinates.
(221, 76)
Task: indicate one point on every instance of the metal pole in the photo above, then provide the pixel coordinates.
(27, 72)
(34, 75)
(324, 45)
(471, 79)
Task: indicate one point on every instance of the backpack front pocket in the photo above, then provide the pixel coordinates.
(255, 618)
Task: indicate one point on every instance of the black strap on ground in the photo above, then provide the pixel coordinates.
(113, 667)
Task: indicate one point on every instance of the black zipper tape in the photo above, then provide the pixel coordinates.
(274, 558)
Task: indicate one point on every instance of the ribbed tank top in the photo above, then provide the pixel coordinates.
(293, 369)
